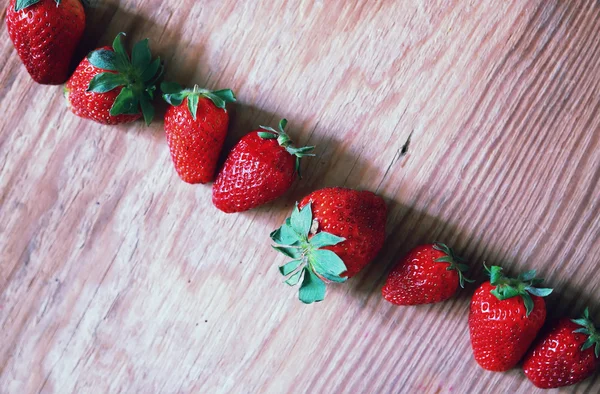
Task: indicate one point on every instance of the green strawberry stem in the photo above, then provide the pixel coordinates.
(284, 140)
(523, 286)
(22, 4)
(297, 238)
(454, 261)
(588, 328)
(174, 94)
(137, 76)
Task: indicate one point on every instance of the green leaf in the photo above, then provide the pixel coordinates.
(302, 151)
(582, 322)
(442, 247)
(118, 45)
(104, 59)
(461, 277)
(588, 343)
(150, 92)
(527, 276)
(528, 303)
(328, 265)
(444, 259)
(597, 350)
(282, 123)
(266, 135)
(295, 278)
(487, 269)
(174, 99)
(582, 330)
(302, 220)
(495, 274)
(151, 70)
(105, 82)
(147, 109)
(497, 294)
(284, 235)
(21, 4)
(122, 58)
(125, 103)
(290, 267)
(272, 130)
(275, 235)
(504, 292)
(312, 288)
(141, 55)
(325, 239)
(540, 292)
(157, 75)
(226, 95)
(586, 312)
(217, 101)
(294, 253)
(193, 104)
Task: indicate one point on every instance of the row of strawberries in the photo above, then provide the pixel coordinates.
(335, 232)
(111, 87)
(332, 233)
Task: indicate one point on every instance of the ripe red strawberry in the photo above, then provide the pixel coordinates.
(195, 126)
(567, 354)
(110, 88)
(332, 234)
(506, 315)
(260, 168)
(45, 34)
(429, 273)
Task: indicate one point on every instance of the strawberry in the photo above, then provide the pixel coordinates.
(110, 88)
(429, 273)
(567, 354)
(45, 34)
(332, 234)
(195, 126)
(260, 168)
(506, 315)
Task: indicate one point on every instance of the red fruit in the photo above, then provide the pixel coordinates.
(260, 168)
(195, 126)
(111, 88)
(506, 315)
(332, 234)
(429, 273)
(567, 354)
(45, 34)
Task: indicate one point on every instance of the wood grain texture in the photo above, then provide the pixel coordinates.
(115, 276)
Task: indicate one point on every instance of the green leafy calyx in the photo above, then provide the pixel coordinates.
(284, 140)
(456, 262)
(523, 286)
(137, 76)
(174, 94)
(22, 4)
(588, 328)
(298, 239)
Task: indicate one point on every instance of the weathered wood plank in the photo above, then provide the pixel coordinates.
(116, 276)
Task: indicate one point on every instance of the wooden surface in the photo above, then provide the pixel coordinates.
(116, 276)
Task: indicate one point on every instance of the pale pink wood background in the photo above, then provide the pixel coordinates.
(117, 277)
